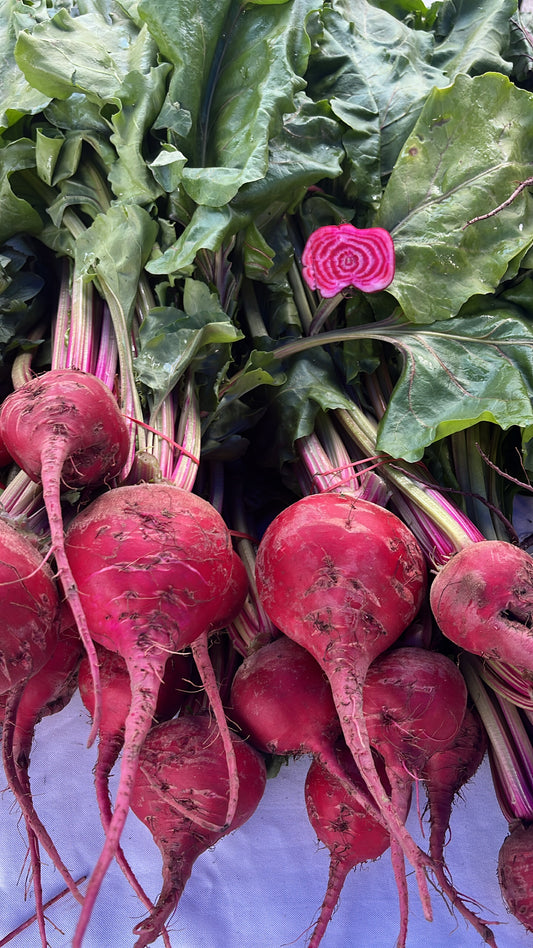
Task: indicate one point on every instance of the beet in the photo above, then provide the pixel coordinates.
(515, 872)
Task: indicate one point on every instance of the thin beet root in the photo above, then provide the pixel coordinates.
(116, 702)
(415, 702)
(446, 772)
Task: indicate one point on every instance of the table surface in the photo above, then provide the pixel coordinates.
(260, 887)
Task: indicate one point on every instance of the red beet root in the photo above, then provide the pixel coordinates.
(446, 772)
(65, 427)
(180, 793)
(282, 701)
(30, 609)
(482, 600)
(346, 828)
(344, 578)
(153, 565)
(46, 692)
(515, 873)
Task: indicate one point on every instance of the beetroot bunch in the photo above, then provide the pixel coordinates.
(145, 572)
(135, 578)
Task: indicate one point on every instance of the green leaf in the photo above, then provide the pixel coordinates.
(467, 152)
(473, 36)
(170, 340)
(416, 12)
(17, 214)
(140, 98)
(233, 414)
(259, 369)
(311, 384)
(307, 149)
(17, 97)
(207, 230)
(107, 60)
(520, 47)
(376, 73)
(167, 167)
(190, 35)
(258, 256)
(21, 304)
(113, 250)
(81, 123)
(456, 374)
(48, 145)
(90, 53)
(236, 72)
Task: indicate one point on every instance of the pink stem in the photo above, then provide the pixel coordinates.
(356, 735)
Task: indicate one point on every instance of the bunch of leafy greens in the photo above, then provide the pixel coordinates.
(224, 131)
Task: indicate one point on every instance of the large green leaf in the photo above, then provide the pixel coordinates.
(467, 152)
(236, 72)
(87, 53)
(456, 374)
(452, 374)
(98, 58)
(17, 96)
(473, 36)
(376, 73)
(190, 35)
(307, 149)
(207, 230)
